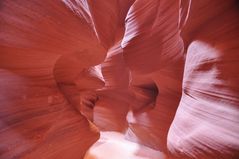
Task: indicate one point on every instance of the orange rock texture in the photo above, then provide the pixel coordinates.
(164, 74)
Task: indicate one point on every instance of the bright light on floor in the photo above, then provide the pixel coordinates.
(112, 145)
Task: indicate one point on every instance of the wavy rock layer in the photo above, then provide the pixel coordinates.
(46, 46)
(162, 73)
(151, 44)
(206, 122)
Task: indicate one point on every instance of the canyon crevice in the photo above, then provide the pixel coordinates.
(82, 79)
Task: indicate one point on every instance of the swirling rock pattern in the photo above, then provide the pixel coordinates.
(45, 46)
(163, 73)
(206, 122)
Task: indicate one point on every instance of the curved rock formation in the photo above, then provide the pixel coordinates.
(206, 122)
(45, 45)
(162, 73)
(151, 44)
(113, 105)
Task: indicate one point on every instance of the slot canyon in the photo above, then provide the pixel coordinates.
(119, 79)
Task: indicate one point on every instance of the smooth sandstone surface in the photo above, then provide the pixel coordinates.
(128, 79)
(206, 122)
(45, 45)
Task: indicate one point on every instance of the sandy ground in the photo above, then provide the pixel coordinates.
(112, 145)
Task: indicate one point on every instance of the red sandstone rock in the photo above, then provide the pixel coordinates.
(113, 105)
(206, 122)
(151, 45)
(44, 46)
(71, 68)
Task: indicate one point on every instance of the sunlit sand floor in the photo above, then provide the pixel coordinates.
(112, 145)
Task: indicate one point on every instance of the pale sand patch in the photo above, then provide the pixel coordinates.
(112, 145)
